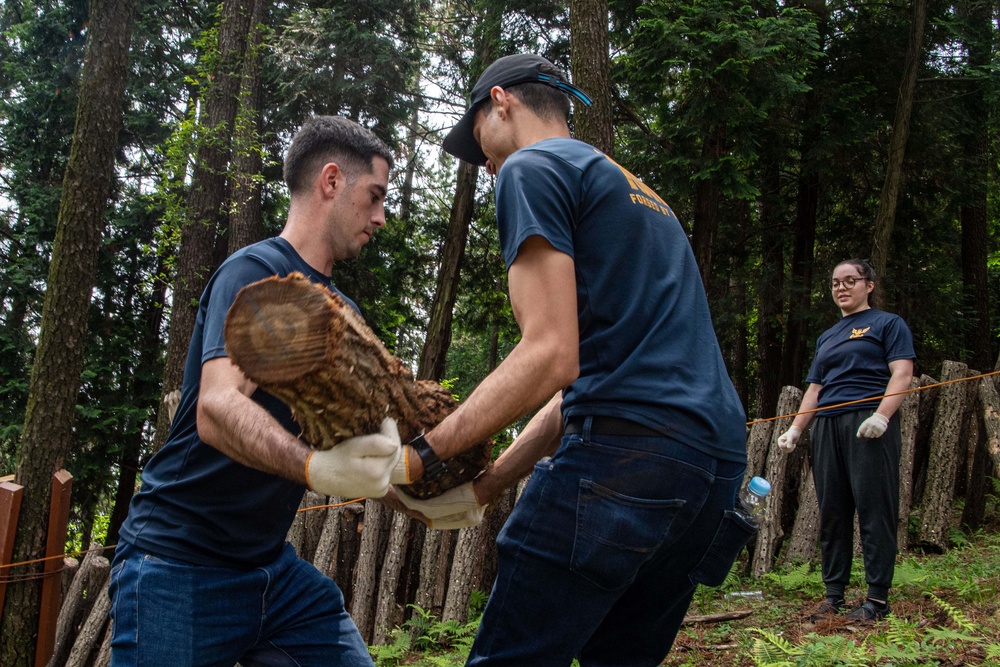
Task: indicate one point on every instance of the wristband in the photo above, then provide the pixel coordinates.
(433, 466)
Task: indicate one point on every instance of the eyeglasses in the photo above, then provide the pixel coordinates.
(848, 282)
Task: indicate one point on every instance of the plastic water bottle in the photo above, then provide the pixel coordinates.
(752, 499)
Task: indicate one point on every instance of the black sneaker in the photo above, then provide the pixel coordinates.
(869, 612)
(829, 607)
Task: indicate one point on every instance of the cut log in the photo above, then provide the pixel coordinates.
(803, 541)
(389, 611)
(306, 346)
(938, 505)
(374, 535)
(909, 418)
(80, 598)
(990, 400)
(91, 635)
(770, 533)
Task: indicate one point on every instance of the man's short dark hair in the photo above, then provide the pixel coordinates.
(323, 139)
(545, 101)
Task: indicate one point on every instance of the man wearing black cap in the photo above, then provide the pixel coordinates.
(601, 556)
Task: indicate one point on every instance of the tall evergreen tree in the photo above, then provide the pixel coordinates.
(55, 379)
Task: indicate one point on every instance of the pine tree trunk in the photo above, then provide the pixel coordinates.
(770, 291)
(588, 27)
(885, 217)
(50, 413)
(196, 257)
(705, 225)
(246, 219)
(939, 491)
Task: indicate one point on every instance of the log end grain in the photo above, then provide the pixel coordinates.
(277, 329)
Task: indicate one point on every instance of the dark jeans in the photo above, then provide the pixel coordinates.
(862, 474)
(601, 556)
(286, 614)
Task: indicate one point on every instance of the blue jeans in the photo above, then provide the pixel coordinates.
(603, 551)
(167, 612)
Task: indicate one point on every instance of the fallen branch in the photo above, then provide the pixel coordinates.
(715, 618)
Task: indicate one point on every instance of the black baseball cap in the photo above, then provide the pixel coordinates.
(504, 72)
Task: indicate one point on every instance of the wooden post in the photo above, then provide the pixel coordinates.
(946, 447)
(10, 508)
(55, 545)
(909, 418)
(770, 532)
(990, 400)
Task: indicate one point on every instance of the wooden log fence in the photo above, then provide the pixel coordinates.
(385, 561)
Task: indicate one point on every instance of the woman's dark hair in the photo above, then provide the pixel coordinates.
(863, 266)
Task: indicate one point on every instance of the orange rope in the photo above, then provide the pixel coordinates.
(874, 398)
(4, 580)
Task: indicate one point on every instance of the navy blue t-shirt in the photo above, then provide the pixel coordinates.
(852, 359)
(196, 504)
(648, 350)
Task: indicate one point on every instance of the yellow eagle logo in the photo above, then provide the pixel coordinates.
(859, 333)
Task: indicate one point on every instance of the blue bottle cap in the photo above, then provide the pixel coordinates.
(759, 486)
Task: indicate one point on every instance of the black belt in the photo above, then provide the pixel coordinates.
(610, 426)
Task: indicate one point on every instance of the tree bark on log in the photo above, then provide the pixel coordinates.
(328, 548)
(307, 527)
(939, 490)
(93, 630)
(909, 418)
(78, 601)
(757, 446)
(495, 519)
(990, 399)
(103, 658)
(351, 527)
(388, 613)
(70, 568)
(306, 346)
(367, 568)
(435, 563)
(770, 533)
(979, 463)
(804, 537)
(463, 562)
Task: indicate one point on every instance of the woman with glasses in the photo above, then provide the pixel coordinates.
(856, 443)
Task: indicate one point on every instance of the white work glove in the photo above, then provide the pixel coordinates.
(455, 508)
(873, 427)
(788, 439)
(359, 467)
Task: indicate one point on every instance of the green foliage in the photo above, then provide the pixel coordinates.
(442, 643)
(801, 578)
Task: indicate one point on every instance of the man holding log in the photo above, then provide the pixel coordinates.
(637, 460)
(202, 574)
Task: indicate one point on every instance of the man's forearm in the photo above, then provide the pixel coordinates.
(245, 432)
(527, 377)
(540, 437)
